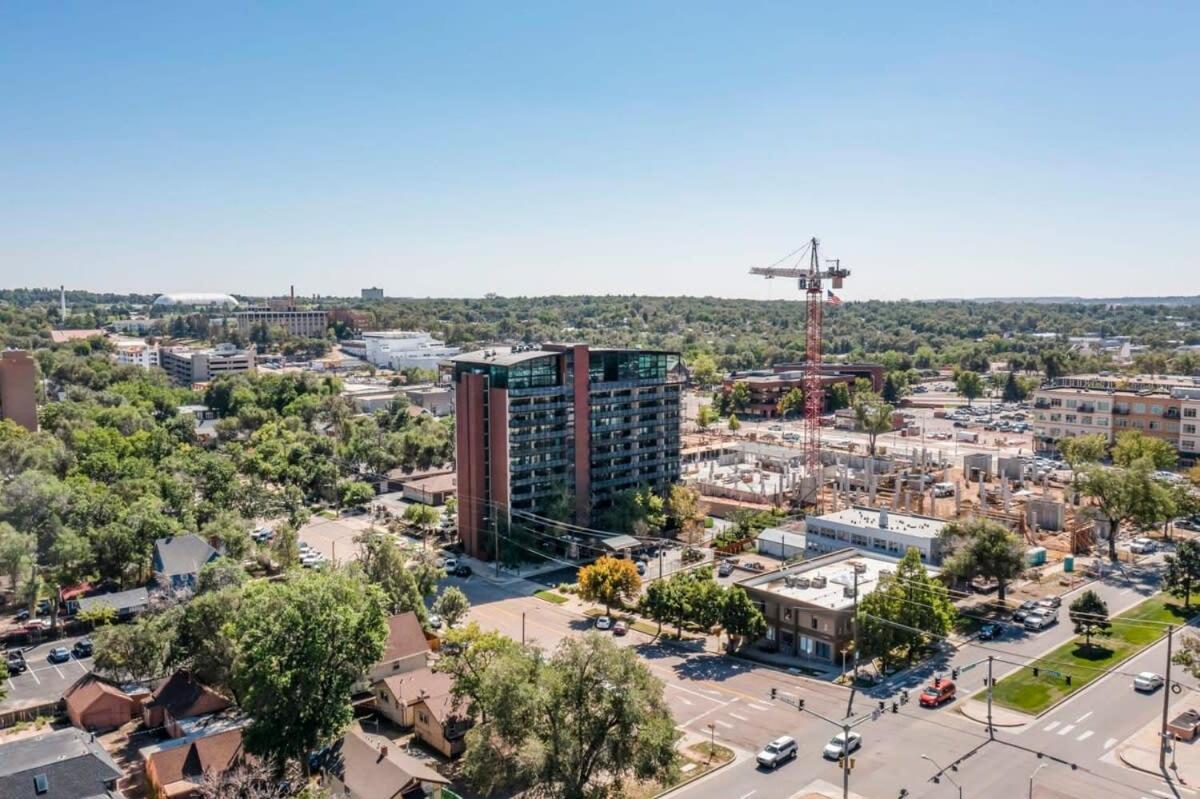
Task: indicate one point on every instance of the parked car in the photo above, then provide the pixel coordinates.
(725, 569)
(83, 648)
(462, 570)
(15, 660)
(450, 565)
(778, 751)
(620, 627)
(938, 693)
(1051, 602)
(943, 489)
(840, 745)
(1147, 681)
(435, 621)
(641, 568)
(59, 654)
(990, 632)
(603, 623)
(1143, 546)
(1036, 622)
(1026, 607)
(22, 614)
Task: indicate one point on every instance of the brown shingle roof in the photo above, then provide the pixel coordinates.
(410, 686)
(182, 696)
(405, 637)
(374, 768)
(90, 689)
(216, 753)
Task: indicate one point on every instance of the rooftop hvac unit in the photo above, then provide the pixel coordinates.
(803, 582)
(885, 573)
(789, 581)
(859, 567)
(818, 582)
(848, 591)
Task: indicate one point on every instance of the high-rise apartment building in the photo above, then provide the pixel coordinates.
(533, 423)
(18, 379)
(372, 293)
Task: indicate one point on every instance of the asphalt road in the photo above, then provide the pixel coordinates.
(44, 681)
(733, 696)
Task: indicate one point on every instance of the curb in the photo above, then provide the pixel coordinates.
(1155, 772)
(737, 758)
(782, 669)
(962, 710)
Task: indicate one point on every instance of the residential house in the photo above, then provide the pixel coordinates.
(181, 696)
(442, 725)
(397, 695)
(94, 703)
(125, 604)
(64, 764)
(406, 649)
(178, 560)
(363, 766)
(175, 768)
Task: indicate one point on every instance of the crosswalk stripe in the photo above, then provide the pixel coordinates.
(1050, 726)
(1066, 729)
(759, 708)
(739, 718)
(724, 724)
(1085, 736)
(1109, 743)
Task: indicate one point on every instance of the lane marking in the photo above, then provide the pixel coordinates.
(1110, 743)
(748, 795)
(1050, 726)
(724, 724)
(739, 718)
(759, 708)
(1085, 736)
(1066, 729)
(686, 701)
(1084, 716)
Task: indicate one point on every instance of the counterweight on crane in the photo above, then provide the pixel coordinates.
(810, 280)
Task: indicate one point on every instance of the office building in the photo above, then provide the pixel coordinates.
(533, 423)
(372, 294)
(18, 388)
(297, 322)
(768, 387)
(406, 349)
(187, 367)
(875, 531)
(809, 607)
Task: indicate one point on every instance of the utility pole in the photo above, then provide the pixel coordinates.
(854, 621)
(991, 730)
(845, 761)
(496, 542)
(1163, 735)
(522, 628)
(846, 725)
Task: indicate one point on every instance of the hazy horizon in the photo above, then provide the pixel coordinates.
(941, 152)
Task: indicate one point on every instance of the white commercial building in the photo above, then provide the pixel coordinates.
(136, 352)
(881, 531)
(406, 349)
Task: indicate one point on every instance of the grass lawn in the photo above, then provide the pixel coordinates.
(695, 761)
(550, 596)
(1024, 692)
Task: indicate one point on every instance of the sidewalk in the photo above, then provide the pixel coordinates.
(1140, 751)
(976, 710)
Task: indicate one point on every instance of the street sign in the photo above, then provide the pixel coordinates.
(875, 714)
(968, 667)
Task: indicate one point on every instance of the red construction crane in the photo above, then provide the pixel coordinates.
(810, 280)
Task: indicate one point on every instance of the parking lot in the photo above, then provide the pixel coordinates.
(44, 681)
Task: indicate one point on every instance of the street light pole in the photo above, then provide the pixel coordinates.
(943, 772)
(991, 730)
(845, 761)
(1031, 776)
(1163, 735)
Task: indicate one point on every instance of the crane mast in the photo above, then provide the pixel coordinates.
(810, 280)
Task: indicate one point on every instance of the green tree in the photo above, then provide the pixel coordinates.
(575, 725)
(1080, 451)
(741, 618)
(682, 510)
(468, 654)
(1054, 364)
(893, 388)
(925, 357)
(664, 600)
(355, 494)
(704, 370)
(839, 396)
(1127, 496)
(302, 644)
(452, 605)
(969, 385)
(422, 519)
(140, 651)
(385, 565)
(739, 397)
(733, 423)
(1133, 445)
(983, 548)
(904, 612)
(16, 555)
(1183, 570)
(706, 417)
(609, 581)
(286, 546)
(1013, 390)
(205, 642)
(1090, 614)
(791, 402)
(219, 574)
(873, 417)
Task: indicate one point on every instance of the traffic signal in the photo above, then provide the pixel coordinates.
(954, 673)
(1035, 671)
(1068, 679)
(882, 705)
(799, 704)
(774, 692)
(895, 708)
(904, 697)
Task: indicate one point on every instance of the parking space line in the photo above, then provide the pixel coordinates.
(61, 676)
(686, 701)
(724, 724)
(759, 708)
(1084, 716)
(739, 718)
(1050, 726)
(1110, 743)
(33, 674)
(1066, 729)
(1085, 736)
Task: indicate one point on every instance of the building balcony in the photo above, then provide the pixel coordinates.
(1120, 411)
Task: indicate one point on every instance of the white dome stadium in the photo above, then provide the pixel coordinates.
(194, 298)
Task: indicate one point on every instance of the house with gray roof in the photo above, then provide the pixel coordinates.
(64, 764)
(179, 559)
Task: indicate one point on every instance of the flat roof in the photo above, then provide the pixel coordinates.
(502, 356)
(834, 573)
(869, 518)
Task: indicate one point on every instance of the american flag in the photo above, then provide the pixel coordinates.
(834, 299)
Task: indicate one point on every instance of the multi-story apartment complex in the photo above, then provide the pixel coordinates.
(297, 322)
(187, 366)
(137, 352)
(1166, 408)
(533, 423)
(406, 349)
(768, 387)
(18, 380)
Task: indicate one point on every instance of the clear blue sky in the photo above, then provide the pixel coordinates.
(451, 149)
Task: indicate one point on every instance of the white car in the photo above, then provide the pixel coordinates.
(435, 621)
(1143, 546)
(603, 623)
(450, 564)
(1040, 620)
(311, 559)
(1147, 681)
(840, 744)
(779, 750)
